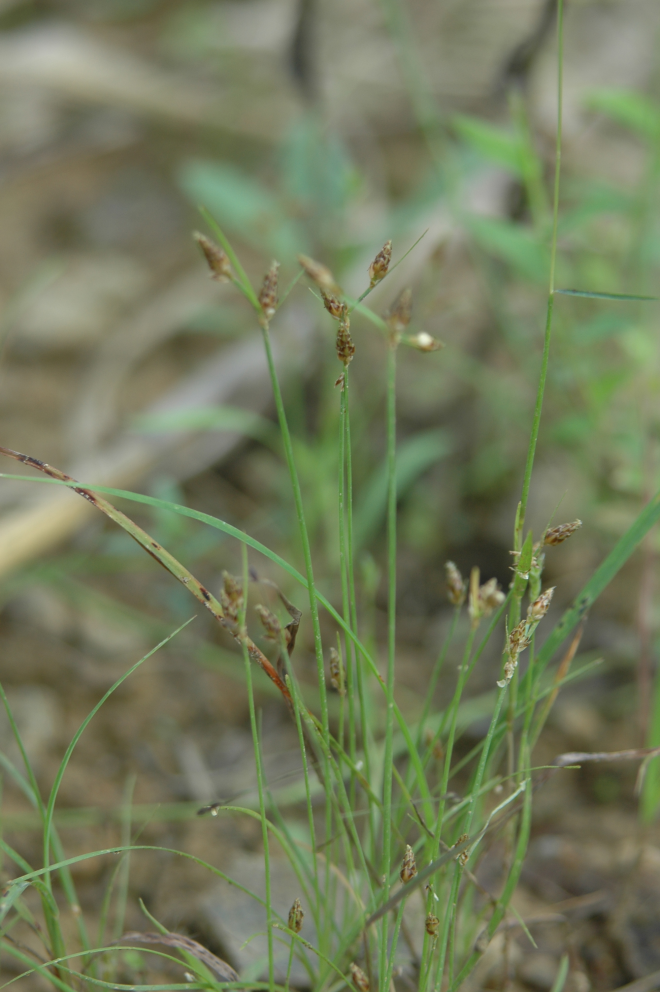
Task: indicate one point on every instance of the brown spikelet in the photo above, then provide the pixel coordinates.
(360, 980)
(231, 596)
(400, 312)
(408, 866)
(268, 291)
(216, 258)
(456, 585)
(335, 307)
(271, 624)
(319, 274)
(464, 856)
(345, 346)
(561, 533)
(381, 263)
(336, 672)
(423, 342)
(538, 609)
(296, 917)
(432, 924)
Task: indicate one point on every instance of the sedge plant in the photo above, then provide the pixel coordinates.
(386, 873)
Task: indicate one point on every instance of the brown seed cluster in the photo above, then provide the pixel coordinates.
(335, 307)
(270, 623)
(483, 599)
(521, 636)
(231, 596)
(216, 258)
(464, 856)
(432, 924)
(319, 274)
(380, 265)
(456, 584)
(561, 533)
(268, 292)
(360, 980)
(345, 346)
(337, 672)
(408, 866)
(296, 917)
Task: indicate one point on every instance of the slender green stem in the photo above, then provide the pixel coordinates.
(260, 772)
(302, 526)
(391, 645)
(529, 465)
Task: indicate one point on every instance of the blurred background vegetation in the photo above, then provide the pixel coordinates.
(324, 128)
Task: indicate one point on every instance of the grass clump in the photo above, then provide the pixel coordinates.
(387, 869)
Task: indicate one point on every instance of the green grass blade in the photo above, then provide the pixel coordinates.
(616, 297)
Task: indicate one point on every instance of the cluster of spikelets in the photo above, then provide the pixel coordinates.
(485, 599)
(397, 318)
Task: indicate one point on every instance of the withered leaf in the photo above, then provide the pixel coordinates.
(219, 967)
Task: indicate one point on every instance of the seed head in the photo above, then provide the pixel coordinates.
(464, 856)
(538, 609)
(432, 924)
(491, 596)
(268, 291)
(345, 346)
(319, 274)
(216, 258)
(231, 596)
(561, 533)
(335, 307)
(400, 313)
(381, 263)
(336, 672)
(360, 980)
(424, 342)
(296, 917)
(271, 624)
(408, 866)
(456, 584)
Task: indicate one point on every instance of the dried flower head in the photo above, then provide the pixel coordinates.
(271, 624)
(296, 917)
(432, 924)
(456, 584)
(538, 609)
(319, 274)
(336, 672)
(521, 636)
(464, 856)
(231, 596)
(335, 307)
(408, 866)
(561, 533)
(483, 599)
(423, 342)
(216, 258)
(345, 346)
(360, 980)
(381, 263)
(268, 291)
(400, 312)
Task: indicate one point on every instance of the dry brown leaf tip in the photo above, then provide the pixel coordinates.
(217, 259)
